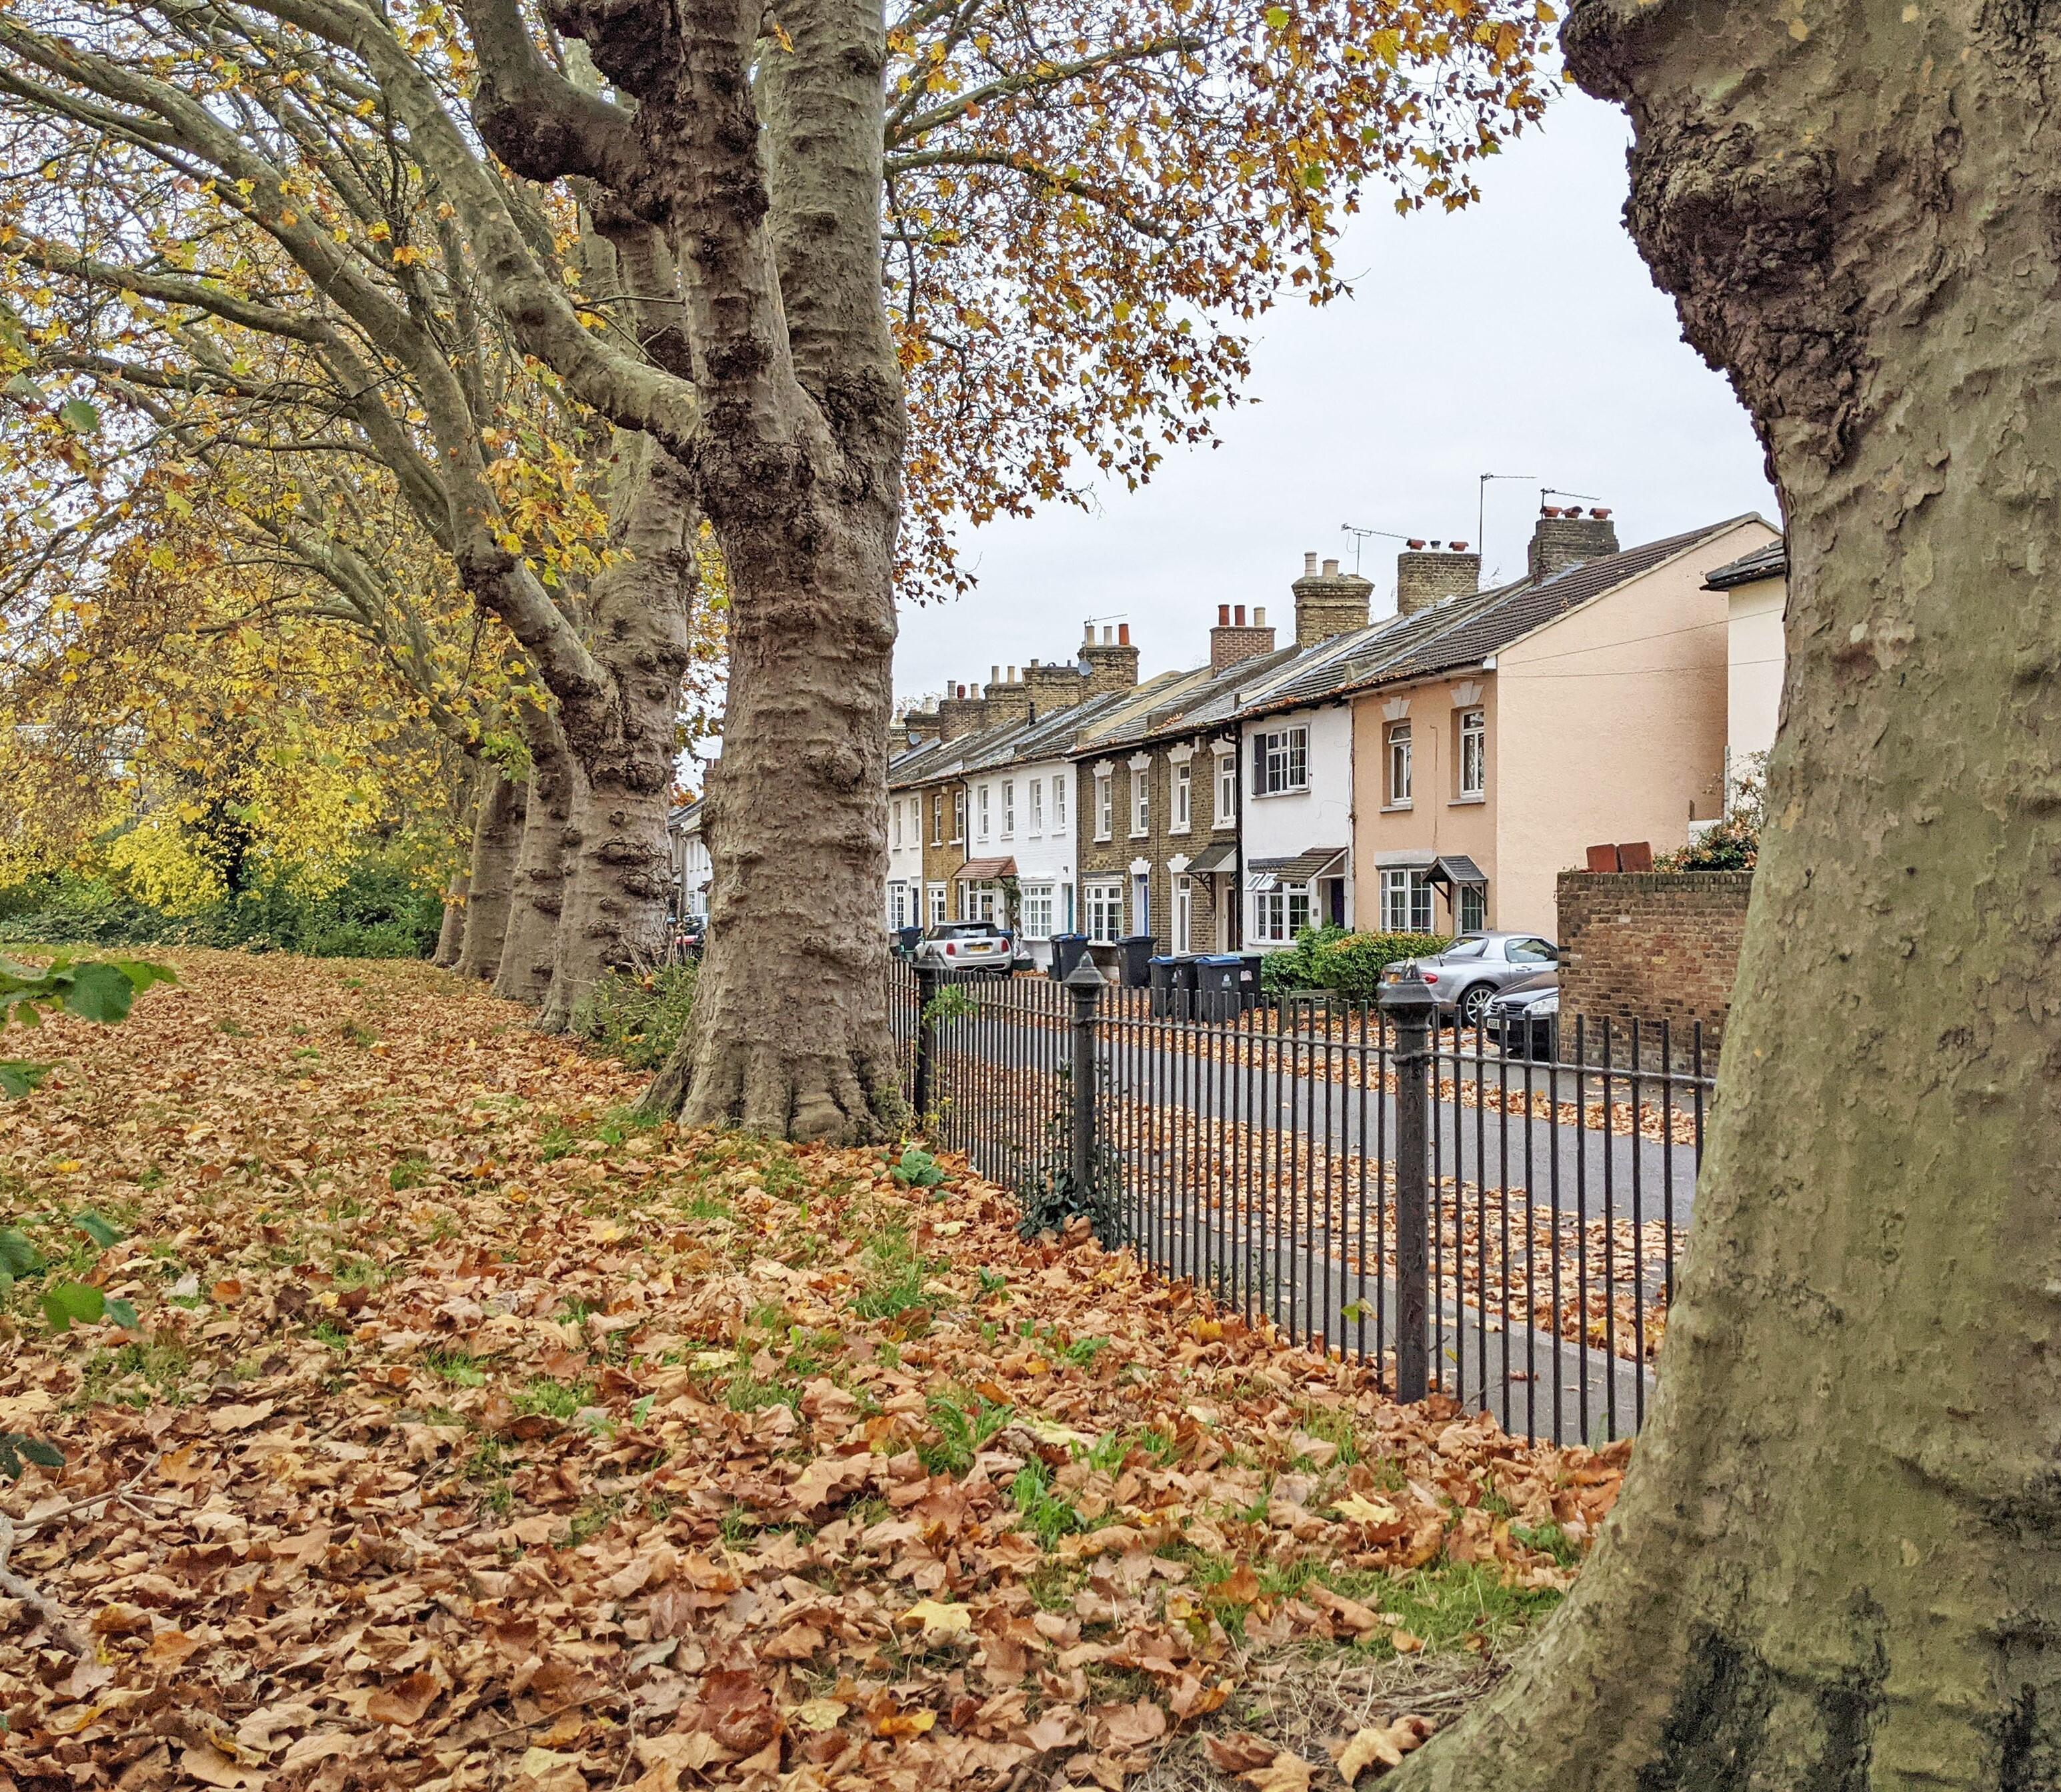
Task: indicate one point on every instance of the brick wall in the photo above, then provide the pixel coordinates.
(1162, 841)
(1651, 945)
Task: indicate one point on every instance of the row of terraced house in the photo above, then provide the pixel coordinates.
(1433, 769)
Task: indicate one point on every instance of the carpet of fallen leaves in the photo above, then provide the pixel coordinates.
(472, 1435)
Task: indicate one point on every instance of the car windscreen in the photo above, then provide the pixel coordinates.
(967, 929)
(1466, 949)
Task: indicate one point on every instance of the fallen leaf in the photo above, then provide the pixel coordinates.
(404, 1701)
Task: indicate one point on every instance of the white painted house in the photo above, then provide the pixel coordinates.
(905, 843)
(1756, 589)
(691, 869)
(1295, 749)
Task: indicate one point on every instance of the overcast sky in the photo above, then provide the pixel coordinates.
(1524, 336)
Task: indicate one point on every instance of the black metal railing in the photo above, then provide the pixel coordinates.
(1502, 1227)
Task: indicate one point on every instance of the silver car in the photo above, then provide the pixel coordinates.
(966, 945)
(1464, 978)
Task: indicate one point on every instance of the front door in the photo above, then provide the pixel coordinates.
(1184, 914)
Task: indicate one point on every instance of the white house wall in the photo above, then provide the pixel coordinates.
(1319, 815)
(1046, 856)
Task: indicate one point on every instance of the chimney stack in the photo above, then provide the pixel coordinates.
(1057, 686)
(1328, 603)
(1112, 663)
(1008, 700)
(1233, 641)
(921, 725)
(1424, 577)
(1562, 538)
(959, 714)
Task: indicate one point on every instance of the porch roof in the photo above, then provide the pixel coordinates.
(1318, 861)
(986, 870)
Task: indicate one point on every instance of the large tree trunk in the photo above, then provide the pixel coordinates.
(789, 1032)
(496, 835)
(539, 893)
(450, 935)
(1838, 1558)
(618, 868)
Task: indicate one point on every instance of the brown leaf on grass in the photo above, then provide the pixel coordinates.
(404, 1701)
(1284, 1772)
(1382, 1746)
(1239, 1752)
(737, 1711)
(503, 1453)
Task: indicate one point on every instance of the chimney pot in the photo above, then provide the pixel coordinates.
(995, 674)
(1309, 566)
(1012, 674)
(1416, 544)
(1259, 617)
(1123, 635)
(1330, 568)
(1572, 510)
(1600, 514)
(1457, 547)
(1549, 510)
(1239, 613)
(1223, 615)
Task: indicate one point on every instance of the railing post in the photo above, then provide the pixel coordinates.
(1084, 985)
(927, 981)
(1409, 1003)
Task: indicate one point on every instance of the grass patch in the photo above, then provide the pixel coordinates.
(460, 1368)
(554, 1399)
(894, 1277)
(134, 1375)
(962, 1430)
(1047, 1513)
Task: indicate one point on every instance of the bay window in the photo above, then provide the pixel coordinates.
(1406, 902)
(1280, 914)
(1102, 901)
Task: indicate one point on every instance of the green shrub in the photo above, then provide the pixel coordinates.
(380, 910)
(1346, 964)
(637, 1016)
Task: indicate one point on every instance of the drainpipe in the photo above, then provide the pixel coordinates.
(1237, 944)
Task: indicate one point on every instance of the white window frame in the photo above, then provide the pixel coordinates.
(1281, 762)
(1227, 815)
(958, 814)
(1036, 792)
(1184, 915)
(1405, 902)
(1060, 802)
(1105, 805)
(1036, 910)
(1184, 798)
(898, 824)
(1401, 770)
(1102, 908)
(1280, 914)
(1474, 752)
(1471, 897)
(1009, 808)
(937, 905)
(980, 809)
(1141, 801)
(937, 817)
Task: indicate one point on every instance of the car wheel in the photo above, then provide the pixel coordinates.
(1472, 1005)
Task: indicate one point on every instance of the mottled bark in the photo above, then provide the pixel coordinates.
(1838, 1558)
(619, 868)
(538, 892)
(450, 935)
(496, 835)
(789, 1034)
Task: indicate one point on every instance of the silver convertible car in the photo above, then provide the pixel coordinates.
(1464, 978)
